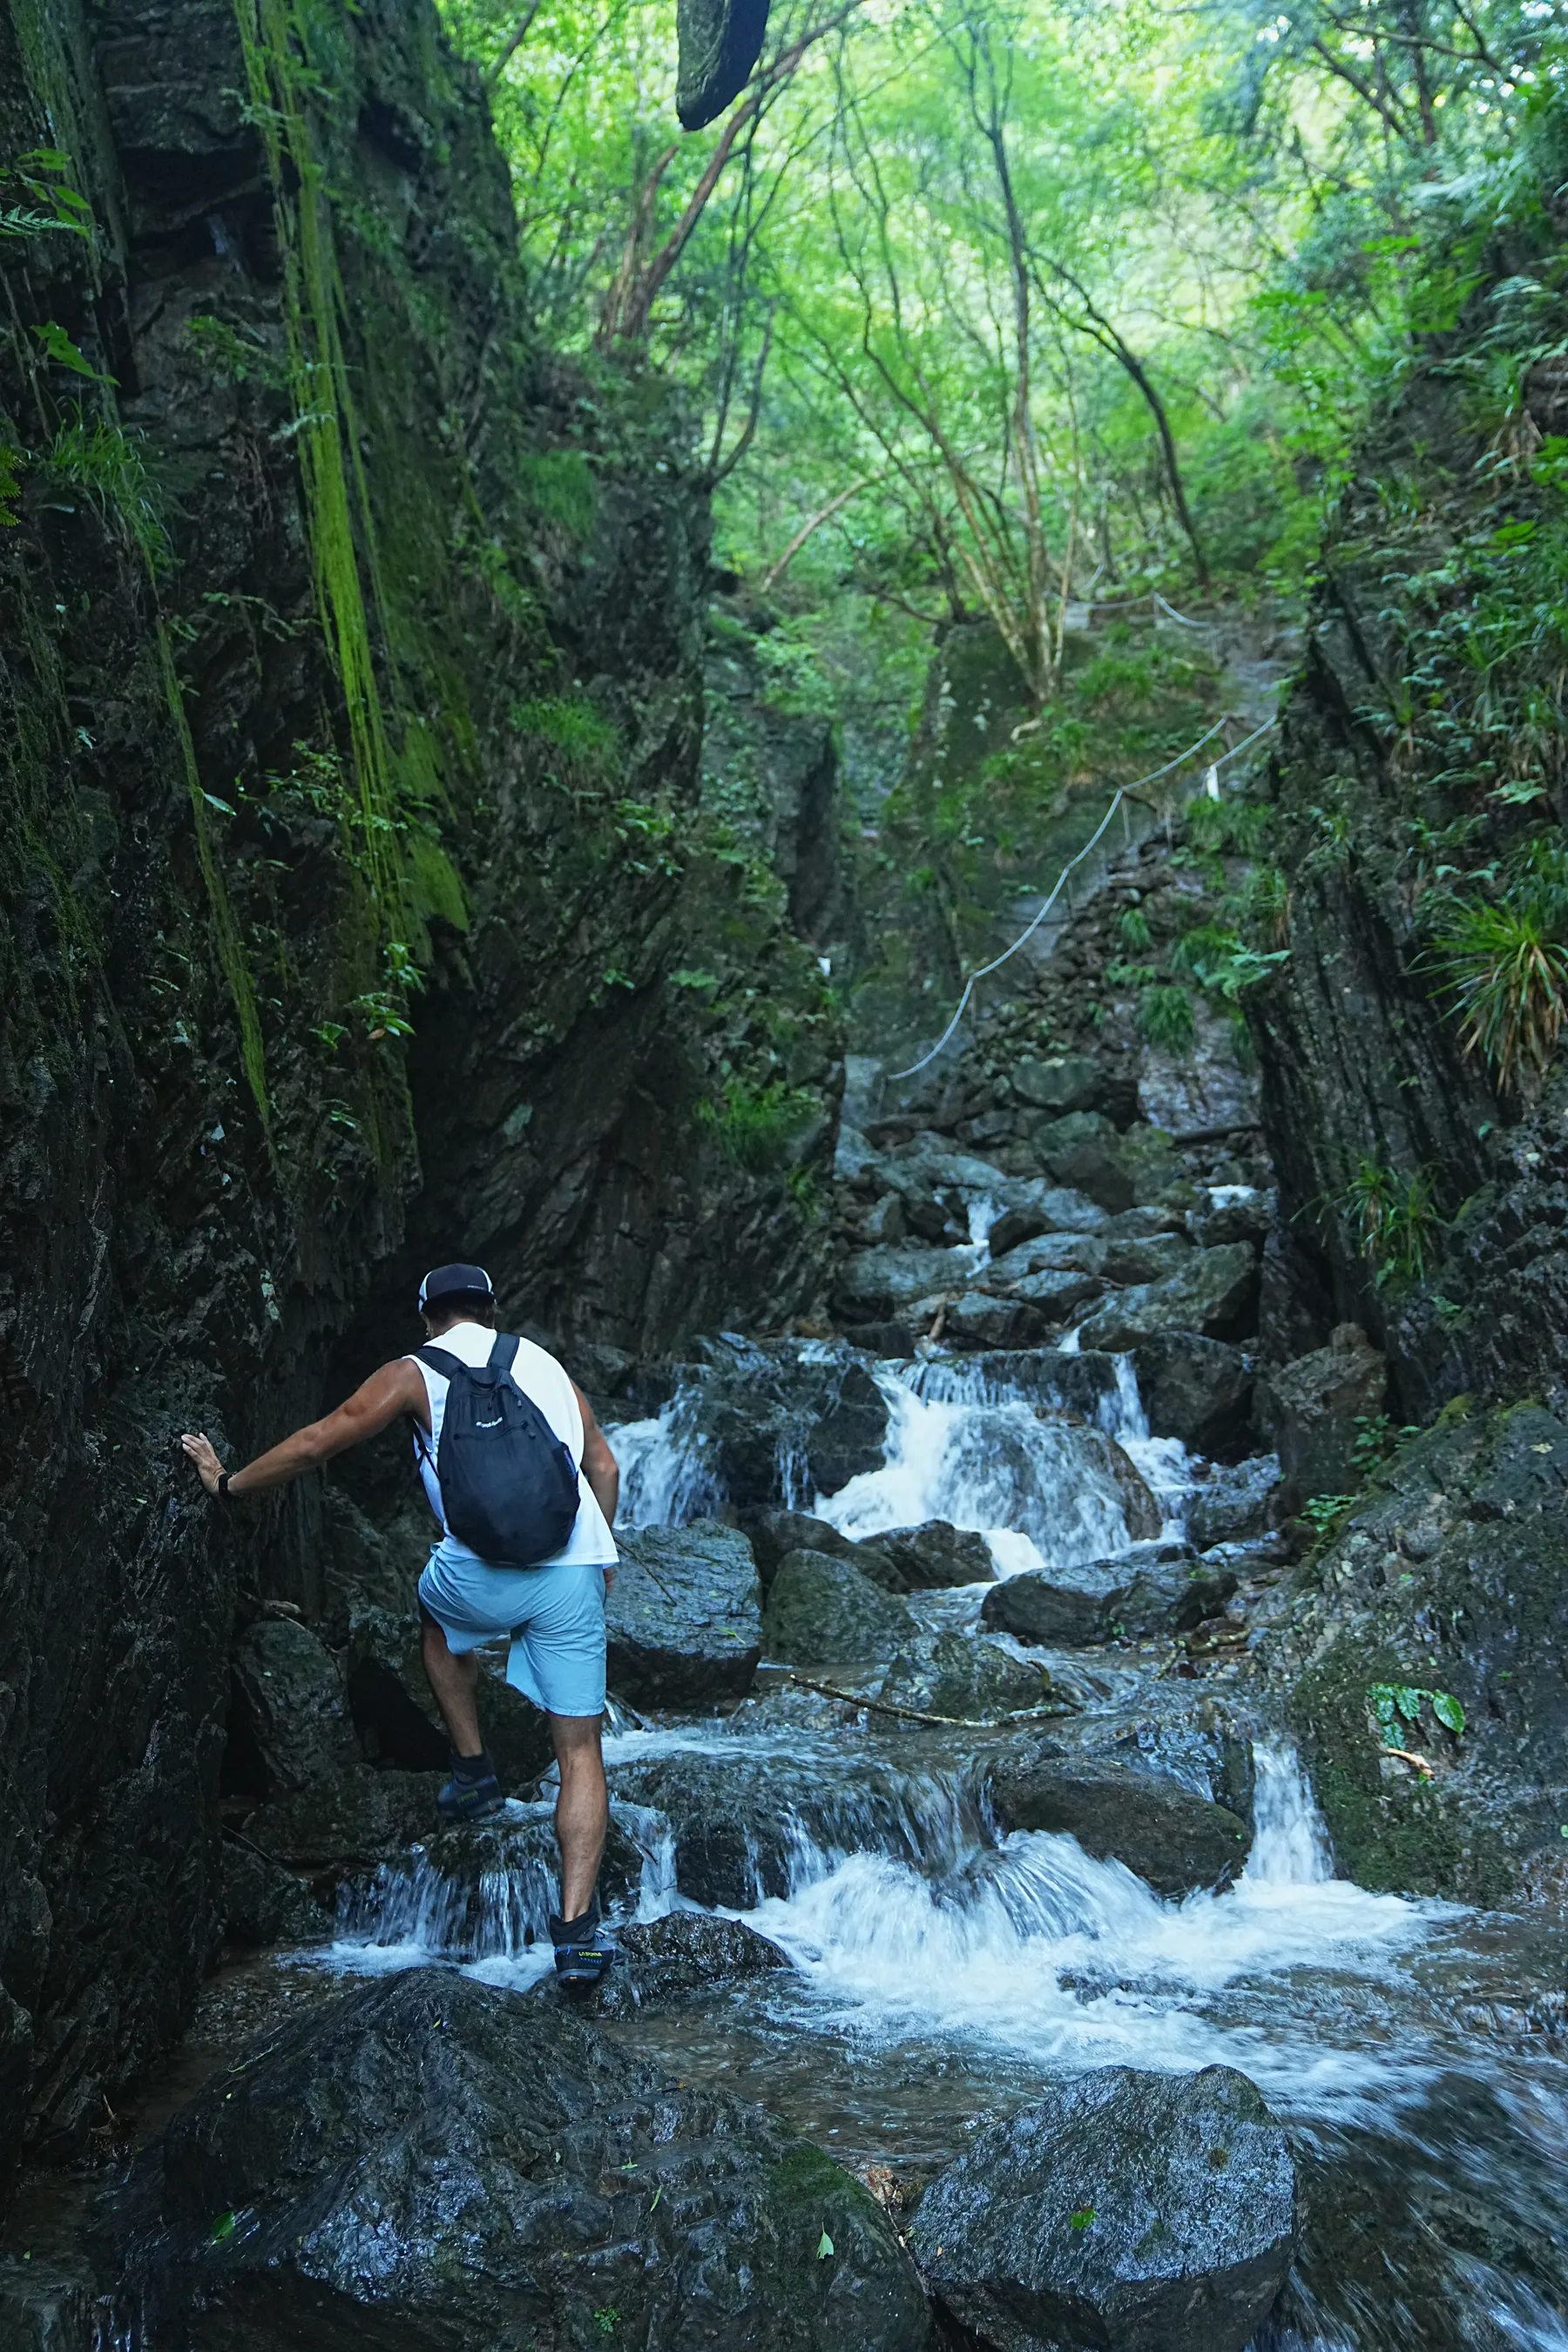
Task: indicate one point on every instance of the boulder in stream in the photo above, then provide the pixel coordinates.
(1213, 1291)
(1066, 1608)
(396, 1716)
(659, 1961)
(356, 1815)
(432, 2162)
(823, 1611)
(1172, 1839)
(1235, 1505)
(1034, 1207)
(684, 1618)
(265, 1904)
(980, 1319)
(774, 1533)
(879, 1285)
(1312, 1410)
(1197, 1389)
(762, 1410)
(967, 1680)
(937, 1556)
(1148, 2213)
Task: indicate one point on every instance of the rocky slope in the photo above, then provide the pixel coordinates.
(350, 685)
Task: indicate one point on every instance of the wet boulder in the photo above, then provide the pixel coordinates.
(662, 1961)
(1084, 1152)
(1169, 1591)
(1197, 1389)
(1057, 1608)
(774, 1533)
(937, 1556)
(747, 1825)
(1235, 1505)
(1059, 1083)
(291, 1719)
(879, 1285)
(890, 1340)
(966, 1679)
(684, 1620)
(1080, 1254)
(470, 1890)
(1033, 1207)
(432, 2161)
(1151, 2212)
(1309, 1412)
(1235, 1212)
(765, 1415)
(823, 1611)
(980, 1319)
(1174, 1840)
(1132, 1260)
(1214, 1292)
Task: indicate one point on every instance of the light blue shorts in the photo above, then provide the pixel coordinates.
(555, 1616)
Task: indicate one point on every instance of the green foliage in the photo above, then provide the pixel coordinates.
(104, 462)
(755, 1126)
(589, 744)
(49, 204)
(558, 486)
(1133, 930)
(1394, 1218)
(1325, 1512)
(1503, 965)
(242, 356)
(11, 459)
(1395, 1703)
(1165, 1018)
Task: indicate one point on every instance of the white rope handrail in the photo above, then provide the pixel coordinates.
(1118, 796)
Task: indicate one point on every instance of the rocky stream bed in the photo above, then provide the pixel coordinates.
(986, 1978)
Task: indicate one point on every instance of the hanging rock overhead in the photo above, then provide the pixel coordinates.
(721, 41)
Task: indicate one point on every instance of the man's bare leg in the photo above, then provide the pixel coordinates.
(454, 1680)
(581, 1810)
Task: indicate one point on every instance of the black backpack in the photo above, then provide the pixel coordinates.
(508, 1484)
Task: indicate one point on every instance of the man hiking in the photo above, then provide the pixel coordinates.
(531, 1476)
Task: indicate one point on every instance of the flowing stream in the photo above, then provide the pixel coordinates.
(940, 1968)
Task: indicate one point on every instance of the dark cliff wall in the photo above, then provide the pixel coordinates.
(349, 687)
(1421, 774)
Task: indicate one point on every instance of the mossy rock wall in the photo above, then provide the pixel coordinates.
(1451, 1576)
(234, 820)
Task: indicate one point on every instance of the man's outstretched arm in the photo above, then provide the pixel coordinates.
(396, 1389)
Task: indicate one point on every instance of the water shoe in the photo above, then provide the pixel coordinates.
(581, 1951)
(471, 1797)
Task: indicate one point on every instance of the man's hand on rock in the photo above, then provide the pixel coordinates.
(209, 1468)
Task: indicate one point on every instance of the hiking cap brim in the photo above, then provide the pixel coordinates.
(444, 1281)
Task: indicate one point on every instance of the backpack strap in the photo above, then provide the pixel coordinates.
(503, 1355)
(442, 1360)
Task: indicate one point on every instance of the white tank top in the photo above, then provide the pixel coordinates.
(545, 1382)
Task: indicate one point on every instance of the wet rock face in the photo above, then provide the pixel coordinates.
(967, 1681)
(1175, 1841)
(433, 2162)
(1450, 1576)
(263, 1904)
(289, 1686)
(684, 1620)
(1147, 2212)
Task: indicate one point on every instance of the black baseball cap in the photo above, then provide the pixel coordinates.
(443, 1281)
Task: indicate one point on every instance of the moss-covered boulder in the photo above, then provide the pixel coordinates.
(1447, 1584)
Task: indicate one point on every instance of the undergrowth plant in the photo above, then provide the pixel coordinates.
(1502, 967)
(1395, 1219)
(755, 1126)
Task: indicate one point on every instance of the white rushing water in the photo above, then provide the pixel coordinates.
(961, 1448)
(1029, 1947)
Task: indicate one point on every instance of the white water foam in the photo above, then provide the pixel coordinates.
(1042, 1495)
(1041, 1950)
